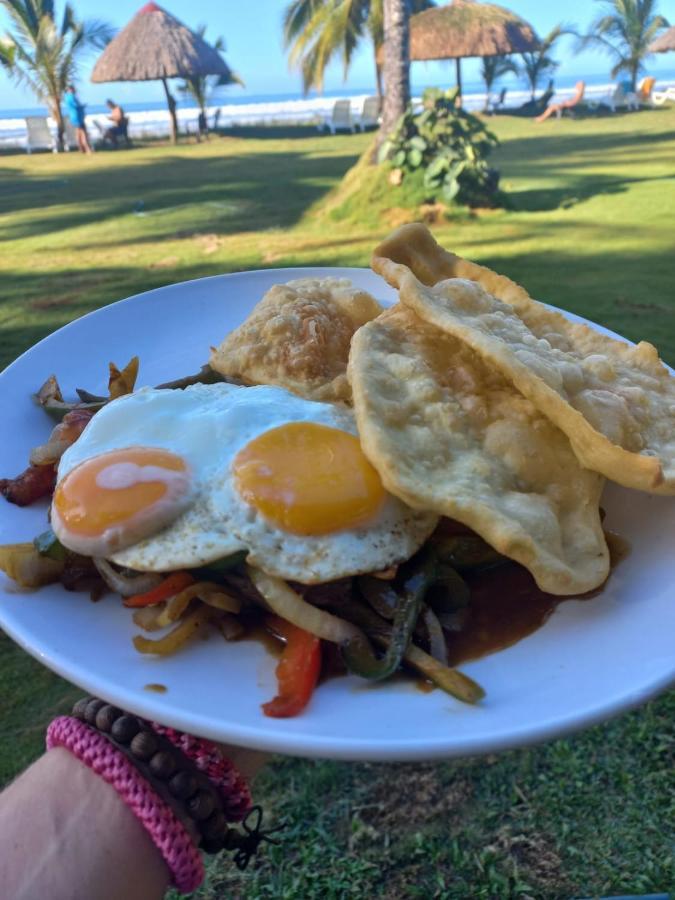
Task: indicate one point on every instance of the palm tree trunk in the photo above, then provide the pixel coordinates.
(488, 91)
(57, 115)
(396, 64)
(634, 70)
(173, 121)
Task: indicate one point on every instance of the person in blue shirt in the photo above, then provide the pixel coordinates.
(75, 113)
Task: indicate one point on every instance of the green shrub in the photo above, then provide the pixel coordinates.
(448, 147)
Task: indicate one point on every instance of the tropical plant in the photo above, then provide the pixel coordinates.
(625, 31)
(199, 87)
(317, 31)
(492, 69)
(538, 64)
(42, 53)
(448, 147)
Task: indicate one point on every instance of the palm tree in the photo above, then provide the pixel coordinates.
(537, 64)
(493, 68)
(43, 55)
(316, 31)
(200, 86)
(396, 44)
(625, 31)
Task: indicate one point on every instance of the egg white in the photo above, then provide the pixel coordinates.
(208, 425)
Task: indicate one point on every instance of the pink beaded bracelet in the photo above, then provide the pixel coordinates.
(167, 833)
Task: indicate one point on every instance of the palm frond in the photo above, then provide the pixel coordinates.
(624, 31)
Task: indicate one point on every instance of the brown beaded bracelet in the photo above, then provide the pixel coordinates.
(177, 780)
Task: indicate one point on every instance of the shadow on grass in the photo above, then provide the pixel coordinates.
(574, 159)
(629, 293)
(244, 191)
(270, 132)
(577, 190)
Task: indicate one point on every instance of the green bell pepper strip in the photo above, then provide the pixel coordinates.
(358, 657)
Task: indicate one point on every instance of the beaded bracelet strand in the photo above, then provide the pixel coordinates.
(193, 785)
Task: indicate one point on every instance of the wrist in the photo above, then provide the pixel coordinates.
(181, 789)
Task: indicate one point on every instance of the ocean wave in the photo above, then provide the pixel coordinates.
(155, 123)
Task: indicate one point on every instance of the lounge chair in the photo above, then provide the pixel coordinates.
(618, 98)
(644, 91)
(39, 137)
(558, 109)
(495, 102)
(659, 98)
(104, 127)
(341, 118)
(370, 113)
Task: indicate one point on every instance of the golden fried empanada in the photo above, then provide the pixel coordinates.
(298, 337)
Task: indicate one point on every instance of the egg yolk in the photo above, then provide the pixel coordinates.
(309, 479)
(116, 499)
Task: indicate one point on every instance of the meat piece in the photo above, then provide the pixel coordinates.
(30, 485)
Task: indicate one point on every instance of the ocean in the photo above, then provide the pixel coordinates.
(151, 119)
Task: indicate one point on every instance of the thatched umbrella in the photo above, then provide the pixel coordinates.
(664, 42)
(155, 46)
(465, 28)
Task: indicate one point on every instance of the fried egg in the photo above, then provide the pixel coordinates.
(168, 479)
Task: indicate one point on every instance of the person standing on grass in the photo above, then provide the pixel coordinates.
(75, 112)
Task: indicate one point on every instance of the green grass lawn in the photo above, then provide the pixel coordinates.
(590, 229)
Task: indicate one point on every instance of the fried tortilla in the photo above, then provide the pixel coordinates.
(414, 246)
(614, 401)
(450, 434)
(298, 338)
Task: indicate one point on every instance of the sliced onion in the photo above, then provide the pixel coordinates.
(437, 646)
(47, 454)
(290, 606)
(127, 585)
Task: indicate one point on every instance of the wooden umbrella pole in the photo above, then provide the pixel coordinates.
(458, 69)
(171, 103)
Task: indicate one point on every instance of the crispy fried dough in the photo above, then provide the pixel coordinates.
(447, 433)
(414, 246)
(614, 401)
(298, 338)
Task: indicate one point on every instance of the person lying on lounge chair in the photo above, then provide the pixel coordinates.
(559, 108)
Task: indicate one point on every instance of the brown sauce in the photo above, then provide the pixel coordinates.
(506, 605)
(156, 688)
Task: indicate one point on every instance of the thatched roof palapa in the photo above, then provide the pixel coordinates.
(155, 45)
(664, 42)
(465, 28)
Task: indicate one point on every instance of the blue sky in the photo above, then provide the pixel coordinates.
(252, 29)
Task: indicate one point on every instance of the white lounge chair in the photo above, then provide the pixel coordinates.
(619, 98)
(659, 98)
(38, 136)
(341, 118)
(370, 113)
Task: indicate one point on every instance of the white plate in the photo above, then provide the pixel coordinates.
(590, 661)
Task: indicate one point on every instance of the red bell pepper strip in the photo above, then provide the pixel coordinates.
(172, 584)
(297, 671)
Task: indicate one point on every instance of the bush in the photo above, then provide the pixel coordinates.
(447, 148)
